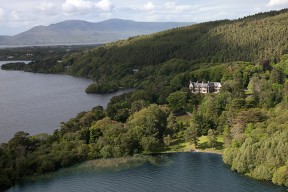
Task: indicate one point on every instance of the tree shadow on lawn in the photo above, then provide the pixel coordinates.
(175, 145)
(218, 145)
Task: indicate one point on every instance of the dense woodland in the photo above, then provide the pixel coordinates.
(34, 53)
(250, 113)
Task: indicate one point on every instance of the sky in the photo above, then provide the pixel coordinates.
(20, 15)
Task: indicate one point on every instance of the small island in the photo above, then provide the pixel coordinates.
(102, 88)
(19, 66)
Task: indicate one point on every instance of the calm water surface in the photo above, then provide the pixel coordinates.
(37, 103)
(185, 172)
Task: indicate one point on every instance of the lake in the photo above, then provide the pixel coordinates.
(38, 103)
(182, 172)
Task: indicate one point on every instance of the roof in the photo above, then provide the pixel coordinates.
(205, 85)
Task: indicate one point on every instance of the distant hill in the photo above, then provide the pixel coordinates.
(251, 39)
(83, 32)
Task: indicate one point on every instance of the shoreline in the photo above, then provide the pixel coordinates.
(118, 163)
(194, 151)
(208, 151)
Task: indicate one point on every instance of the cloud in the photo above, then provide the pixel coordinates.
(18, 16)
(149, 6)
(2, 14)
(168, 7)
(104, 5)
(47, 8)
(277, 2)
(71, 6)
(172, 6)
(77, 6)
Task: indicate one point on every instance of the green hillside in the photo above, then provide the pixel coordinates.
(252, 39)
(249, 115)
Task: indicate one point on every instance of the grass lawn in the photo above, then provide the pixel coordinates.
(184, 119)
(180, 145)
(248, 92)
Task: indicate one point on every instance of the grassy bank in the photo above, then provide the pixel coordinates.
(98, 165)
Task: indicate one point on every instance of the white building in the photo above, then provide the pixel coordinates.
(210, 87)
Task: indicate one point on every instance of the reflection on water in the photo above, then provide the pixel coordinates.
(177, 172)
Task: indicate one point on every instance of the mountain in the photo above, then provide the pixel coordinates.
(83, 32)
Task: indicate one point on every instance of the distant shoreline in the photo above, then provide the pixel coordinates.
(50, 45)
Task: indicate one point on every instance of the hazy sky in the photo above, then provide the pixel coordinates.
(19, 15)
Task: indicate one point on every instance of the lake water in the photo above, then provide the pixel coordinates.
(183, 172)
(37, 103)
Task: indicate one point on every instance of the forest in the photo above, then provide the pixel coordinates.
(248, 56)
